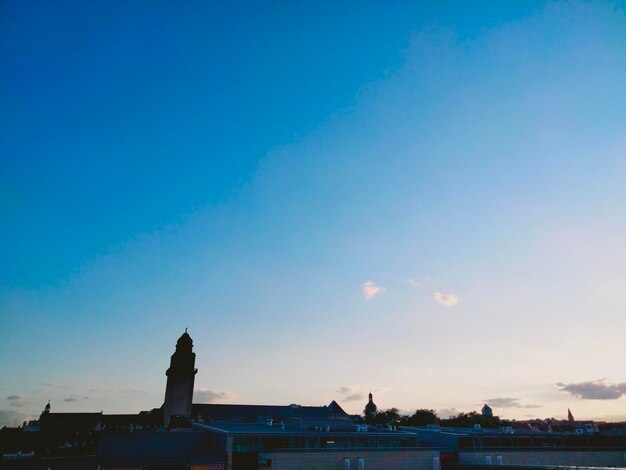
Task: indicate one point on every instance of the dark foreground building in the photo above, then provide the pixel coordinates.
(184, 435)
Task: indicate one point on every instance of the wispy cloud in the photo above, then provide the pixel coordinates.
(210, 396)
(18, 400)
(371, 290)
(51, 385)
(116, 390)
(69, 399)
(448, 300)
(594, 389)
(19, 404)
(354, 397)
(351, 394)
(413, 282)
(508, 402)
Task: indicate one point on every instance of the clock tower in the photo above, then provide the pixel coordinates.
(180, 377)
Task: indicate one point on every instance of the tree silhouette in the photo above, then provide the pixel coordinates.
(421, 417)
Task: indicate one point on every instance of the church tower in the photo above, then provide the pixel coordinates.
(180, 377)
(370, 410)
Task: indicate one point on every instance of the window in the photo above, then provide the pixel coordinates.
(361, 463)
(346, 463)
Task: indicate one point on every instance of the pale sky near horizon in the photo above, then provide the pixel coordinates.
(424, 200)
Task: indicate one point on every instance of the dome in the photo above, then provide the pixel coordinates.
(371, 406)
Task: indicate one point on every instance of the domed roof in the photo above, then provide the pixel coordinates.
(371, 406)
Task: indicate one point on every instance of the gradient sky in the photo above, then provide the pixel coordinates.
(424, 200)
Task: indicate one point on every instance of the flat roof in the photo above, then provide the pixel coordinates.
(278, 429)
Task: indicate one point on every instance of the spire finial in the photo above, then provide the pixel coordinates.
(185, 330)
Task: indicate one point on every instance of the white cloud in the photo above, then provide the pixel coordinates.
(210, 396)
(594, 390)
(371, 290)
(344, 389)
(448, 300)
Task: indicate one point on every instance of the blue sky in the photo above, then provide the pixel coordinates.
(424, 200)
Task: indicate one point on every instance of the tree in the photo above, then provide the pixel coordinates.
(390, 416)
(463, 420)
(421, 417)
(468, 420)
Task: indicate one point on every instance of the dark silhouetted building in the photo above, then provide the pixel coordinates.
(180, 378)
(183, 435)
(370, 410)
